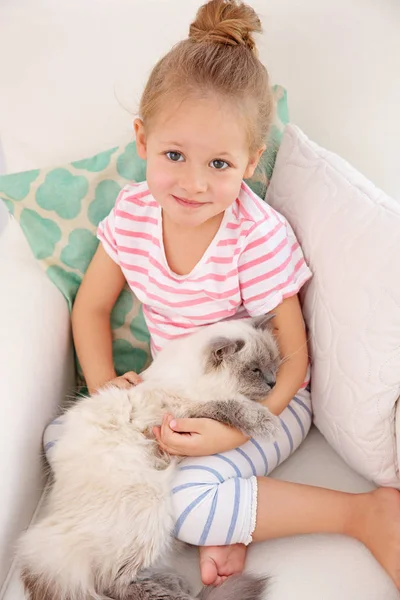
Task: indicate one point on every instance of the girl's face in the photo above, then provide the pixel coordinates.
(197, 155)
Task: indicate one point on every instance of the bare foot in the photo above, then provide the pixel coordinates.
(377, 525)
(218, 562)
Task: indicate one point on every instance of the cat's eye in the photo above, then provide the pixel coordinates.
(257, 371)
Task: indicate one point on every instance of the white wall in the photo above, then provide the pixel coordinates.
(63, 64)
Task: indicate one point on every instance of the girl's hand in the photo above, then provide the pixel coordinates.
(125, 381)
(196, 437)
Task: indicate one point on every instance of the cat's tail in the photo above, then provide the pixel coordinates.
(236, 587)
(171, 587)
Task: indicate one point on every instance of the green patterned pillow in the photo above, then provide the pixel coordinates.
(59, 210)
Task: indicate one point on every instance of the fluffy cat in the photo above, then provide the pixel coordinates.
(108, 518)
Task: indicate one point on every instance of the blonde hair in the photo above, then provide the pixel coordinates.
(219, 56)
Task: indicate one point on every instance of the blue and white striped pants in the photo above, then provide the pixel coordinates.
(215, 497)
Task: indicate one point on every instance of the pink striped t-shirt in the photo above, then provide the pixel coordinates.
(253, 263)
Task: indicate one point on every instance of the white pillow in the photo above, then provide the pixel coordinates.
(350, 234)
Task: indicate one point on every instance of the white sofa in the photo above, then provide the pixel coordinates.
(66, 69)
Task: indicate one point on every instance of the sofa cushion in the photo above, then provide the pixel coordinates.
(36, 373)
(350, 234)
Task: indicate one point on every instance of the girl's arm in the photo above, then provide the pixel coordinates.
(91, 328)
(205, 436)
(291, 337)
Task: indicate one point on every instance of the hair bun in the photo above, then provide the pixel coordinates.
(229, 22)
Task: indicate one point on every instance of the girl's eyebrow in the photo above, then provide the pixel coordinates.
(171, 143)
(178, 145)
(228, 154)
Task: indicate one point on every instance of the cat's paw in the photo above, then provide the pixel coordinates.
(251, 418)
(259, 421)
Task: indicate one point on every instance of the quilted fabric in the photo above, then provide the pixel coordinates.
(350, 234)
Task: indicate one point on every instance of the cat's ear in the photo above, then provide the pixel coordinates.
(264, 322)
(221, 348)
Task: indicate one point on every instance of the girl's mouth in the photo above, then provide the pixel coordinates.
(188, 203)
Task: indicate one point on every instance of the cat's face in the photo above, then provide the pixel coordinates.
(247, 357)
(224, 359)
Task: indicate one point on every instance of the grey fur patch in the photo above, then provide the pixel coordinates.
(166, 588)
(169, 580)
(220, 349)
(250, 418)
(37, 587)
(263, 322)
(256, 367)
(253, 363)
(236, 587)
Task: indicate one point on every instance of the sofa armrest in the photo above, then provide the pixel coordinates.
(36, 372)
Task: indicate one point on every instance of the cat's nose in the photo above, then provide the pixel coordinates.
(270, 379)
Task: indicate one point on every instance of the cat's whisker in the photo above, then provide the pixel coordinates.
(290, 356)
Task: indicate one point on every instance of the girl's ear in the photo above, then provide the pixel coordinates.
(140, 134)
(253, 162)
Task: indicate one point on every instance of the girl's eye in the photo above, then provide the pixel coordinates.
(174, 156)
(219, 165)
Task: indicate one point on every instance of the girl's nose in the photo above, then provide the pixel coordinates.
(193, 181)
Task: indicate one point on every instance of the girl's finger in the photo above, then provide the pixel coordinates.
(121, 383)
(157, 433)
(185, 425)
(165, 428)
(132, 377)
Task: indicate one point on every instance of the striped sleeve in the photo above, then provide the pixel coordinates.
(271, 267)
(106, 233)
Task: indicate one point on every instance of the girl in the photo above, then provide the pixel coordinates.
(196, 246)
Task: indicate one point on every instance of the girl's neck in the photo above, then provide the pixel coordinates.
(174, 229)
(184, 247)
